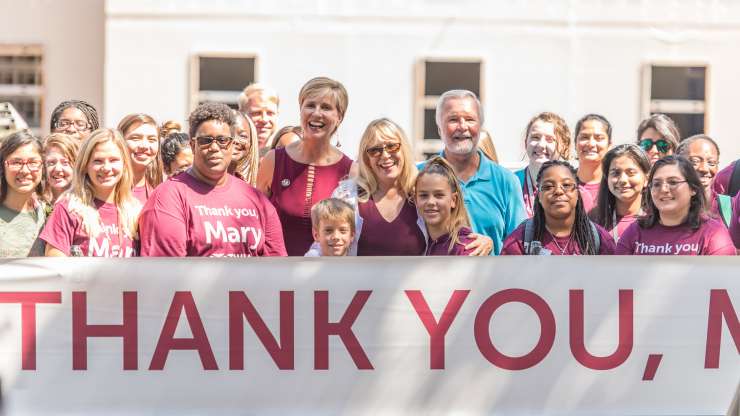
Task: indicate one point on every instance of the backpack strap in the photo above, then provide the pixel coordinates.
(528, 235)
(725, 208)
(735, 179)
(596, 235)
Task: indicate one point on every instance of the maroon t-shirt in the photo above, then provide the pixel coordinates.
(400, 237)
(441, 246)
(64, 232)
(142, 193)
(721, 183)
(558, 246)
(735, 224)
(186, 217)
(295, 188)
(622, 224)
(712, 238)
(589, 195)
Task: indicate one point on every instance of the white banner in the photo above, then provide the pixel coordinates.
(519, 335)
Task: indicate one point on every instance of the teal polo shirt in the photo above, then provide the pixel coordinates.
(493, 198)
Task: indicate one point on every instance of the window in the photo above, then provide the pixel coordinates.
(21, 81)
(678, 91)
(434, 77)
(220, 78)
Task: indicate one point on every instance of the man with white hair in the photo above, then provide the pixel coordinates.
(491, 193)
(260, 103)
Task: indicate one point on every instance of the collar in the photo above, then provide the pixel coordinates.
(484, 168)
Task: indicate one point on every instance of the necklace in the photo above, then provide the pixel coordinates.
(567, 243)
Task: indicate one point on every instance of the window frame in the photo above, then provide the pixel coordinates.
(424, 102)
(228, 97)
(37, 91)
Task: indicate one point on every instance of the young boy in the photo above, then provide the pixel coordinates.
(333, 227)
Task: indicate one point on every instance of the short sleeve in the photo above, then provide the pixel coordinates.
(513, 244)
(60, 229)
(627, 240)
(162, 225)
(274, 241)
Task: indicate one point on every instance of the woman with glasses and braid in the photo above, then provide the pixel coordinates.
(22, 213)
(205, 211)
(76, 118)
(560, 225)
(675, 222)
(658, 136)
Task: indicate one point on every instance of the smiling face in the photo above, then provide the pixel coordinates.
(59, 170)
(183, 160)
(435, 200)
(705, 159)
(105, 168)
(143, 145)
(73, 122)
(385, 159)
(558, 192)
(626, 180)
(211, 161)
(264, 114)
(334, 236)
(459, 125)
(240, 148)
(320, 117)
(23, 170)
(670, 192)
(592, 142)
(542, 143)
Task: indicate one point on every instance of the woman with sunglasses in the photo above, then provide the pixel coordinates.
(593, 138)
(141, 135)
(97, 216)
(245, 157)
(60, 154)
(547, 138)
(675, 223)
(560, 225)
(22, 213)
(626, 168)
(658, 136)
(299, 175)
(204, 211)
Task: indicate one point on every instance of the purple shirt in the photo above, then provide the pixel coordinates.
(711, 238)
(558, 246)
(735, 224)
(441, 246)
(400, 237)
(722, 181)
(589, 195)
(622, 224)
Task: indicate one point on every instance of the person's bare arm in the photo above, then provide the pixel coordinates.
(52, 251)
(265, 172)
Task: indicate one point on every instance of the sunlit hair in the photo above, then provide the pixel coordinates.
(377, 130)
(69, 146)
(581, 231)
(664, 125)
(210, 112)
(332, 209)
(458, 95)
(169, 126)
(561, 130)
(603, 213)
(154, 172)
(82, 193)
(459, 215)
(485, 143)
(91, 114)
(9, 145)
(249, 164)
(297, 130)
(321, 86)
(698, 203)
(171, 147)
(683, 147)
(595, 117)
(257, 89)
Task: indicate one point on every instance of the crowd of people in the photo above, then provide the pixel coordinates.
(232, 183)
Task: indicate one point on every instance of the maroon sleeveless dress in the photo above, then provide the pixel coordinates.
(400, 237)
(296, 187)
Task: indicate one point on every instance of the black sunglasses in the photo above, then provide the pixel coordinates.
(222, 141)
(662, 145)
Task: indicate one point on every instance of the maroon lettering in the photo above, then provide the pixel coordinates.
(241, 307)
(483, 337)
(577, 343)
(183, 301)
(437, 330)
(81, 331)
(720, 309)
(28, 301)
(323, 329)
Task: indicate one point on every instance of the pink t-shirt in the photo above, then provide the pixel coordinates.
(558, 246)
(712, 238)
(722, 181)
(589, 195)
(64, 232)
(142, 193)
(186, 217)
(441, 246)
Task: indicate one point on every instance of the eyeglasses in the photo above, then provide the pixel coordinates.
(550, 187)
(80, 125)
(672, 184)
(662, 145)
(222, 141)
(376, 151)
(696, 161)
(15, 165)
